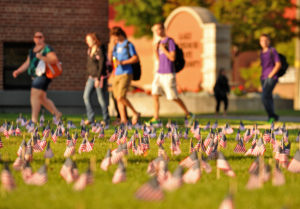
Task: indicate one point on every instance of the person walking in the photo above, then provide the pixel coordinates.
(39, 84)
(270, 63)
(97, 78)
(165, 77)
(124, 55)
(221, 89)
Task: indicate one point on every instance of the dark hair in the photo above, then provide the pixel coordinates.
(95, 38)
(265, 35)
(161, 24)
(118, 31)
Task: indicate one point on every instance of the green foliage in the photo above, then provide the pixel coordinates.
(144, 13)
(250, 18)
(251, 75)
(287, 49)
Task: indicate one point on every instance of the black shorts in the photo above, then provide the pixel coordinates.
(40, 82)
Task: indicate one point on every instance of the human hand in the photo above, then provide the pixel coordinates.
(39, 55)
(15, 73)
(97, 83)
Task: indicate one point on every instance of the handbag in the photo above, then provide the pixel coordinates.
(53, 70)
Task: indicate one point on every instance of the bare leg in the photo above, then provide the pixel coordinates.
(127, 103)
(35, 101)
(49, 105)
(182, 105)
(121, 108)
(156, 106)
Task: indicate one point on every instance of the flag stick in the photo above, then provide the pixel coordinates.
(218, 169)
(261, 169)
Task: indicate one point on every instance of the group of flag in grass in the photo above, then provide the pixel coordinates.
(161, 179)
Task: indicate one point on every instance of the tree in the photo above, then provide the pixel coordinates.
(144, 13)
(250, 18)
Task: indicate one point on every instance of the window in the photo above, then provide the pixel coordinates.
(15, 54)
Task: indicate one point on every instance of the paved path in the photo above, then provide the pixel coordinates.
(253, 117)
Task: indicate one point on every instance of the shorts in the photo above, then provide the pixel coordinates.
(121, 84)
(165, 83)
(40, 82)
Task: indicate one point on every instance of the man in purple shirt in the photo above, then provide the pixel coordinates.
(165, 77)
(270, 63)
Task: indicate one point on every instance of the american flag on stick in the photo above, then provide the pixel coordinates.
(40, 177)
(151, 191)
(18, 164)
(175, 181)
(48, 153)
(278, 177)
(26, 171)
(70, 149)
(227, 203)
(66, 171)
(294, 165)
(23, 144)
(1, 143)
(193, 174)
(8, 182)
(190, 160)
(82, 147)
(120, 173)
(240, 147)
(224, 165)
(84, 180)
(106, 162)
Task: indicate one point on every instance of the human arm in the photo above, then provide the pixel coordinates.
(50, 57)
(22, 68)
(169, 54)
(133, 58)
(277, 65)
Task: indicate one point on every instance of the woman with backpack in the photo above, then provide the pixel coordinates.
(39, 84)
(97, 78)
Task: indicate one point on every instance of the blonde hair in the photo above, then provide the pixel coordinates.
(95, 38)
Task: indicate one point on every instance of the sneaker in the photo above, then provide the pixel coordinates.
(271, 120)
(152, 121)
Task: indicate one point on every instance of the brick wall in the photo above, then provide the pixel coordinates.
(64, 23)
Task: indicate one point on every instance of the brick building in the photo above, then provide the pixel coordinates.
(64, 23)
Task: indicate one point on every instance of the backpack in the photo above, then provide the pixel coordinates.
(136, 67)
(284, 64)
(179, 57)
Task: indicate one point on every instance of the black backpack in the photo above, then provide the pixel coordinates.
(284, 64)
(136, 67)
(179, 59)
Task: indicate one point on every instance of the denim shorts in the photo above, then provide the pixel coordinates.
(40, 82)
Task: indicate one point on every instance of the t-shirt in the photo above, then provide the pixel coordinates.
(166, 65)
(34, 61)
(268, 61)
(121, 54)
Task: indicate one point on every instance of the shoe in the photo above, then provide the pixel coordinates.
(271, 120)
(87, 122)
(152, 121)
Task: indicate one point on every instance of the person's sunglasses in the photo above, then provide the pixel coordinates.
(40, 37)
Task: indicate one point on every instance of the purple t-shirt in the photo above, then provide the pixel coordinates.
(166, 65)
(268, 63)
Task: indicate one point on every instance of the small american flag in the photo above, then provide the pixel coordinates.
(18, 131)
(28, 153)
(250, 150)
(48, 153)
(26, 171)
(259, 148)
(117, 154)
(205, 166)
(193, 174)
(82, 147)
(106, 162)
(18, 164)
(40, 177)
(66, 171)
(254, 181)
(150, 191)
(43, 143)
(224, 165)
(23, 143)
(8, 182)
(120, 173)
(70, 149)
(294, 165)
(175, 181)
(242, 126)
(278, 177)
(160, 138)
(84, 180)
(90, 145)
(240, 147)
(210, 148)
(227, 203)
(247, 135)
(228, 129)
(54, 136)
(114, 136)
(189, 161)
(223, 141)
(1, 143)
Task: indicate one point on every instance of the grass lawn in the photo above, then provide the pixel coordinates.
(208, 193)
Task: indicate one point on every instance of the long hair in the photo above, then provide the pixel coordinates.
(118, 31)
(95, 38)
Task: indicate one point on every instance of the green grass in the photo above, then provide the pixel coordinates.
(207, 193)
